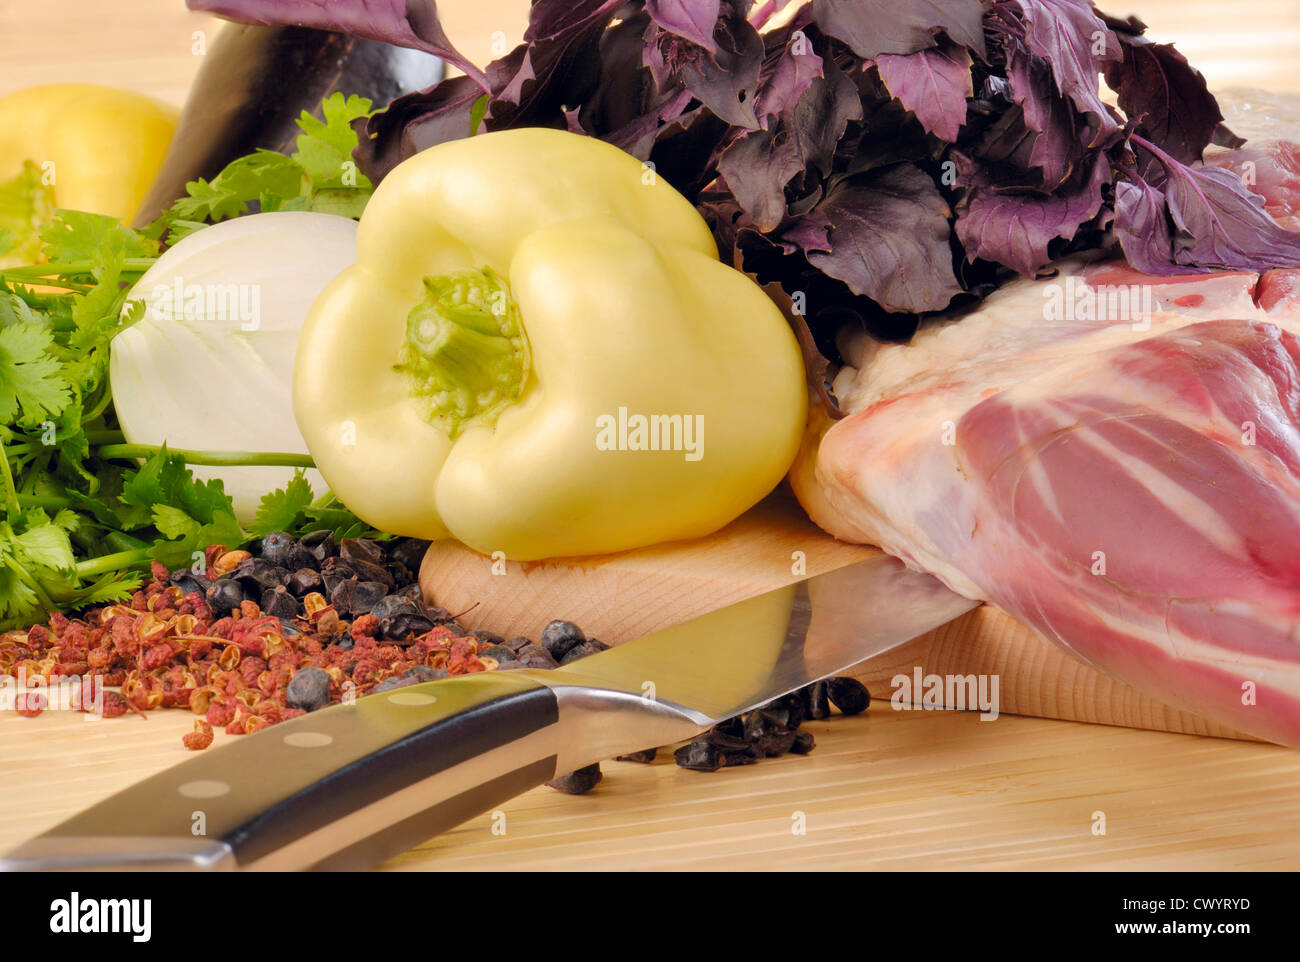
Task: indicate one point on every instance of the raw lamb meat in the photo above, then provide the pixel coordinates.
(1112, 458)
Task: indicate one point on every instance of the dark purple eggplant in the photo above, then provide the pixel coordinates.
(254, 83)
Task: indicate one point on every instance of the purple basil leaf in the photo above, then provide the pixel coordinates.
(627, 108)
(888, 134)
(1142, 226)
(1071, 39)
(725, 81)
(1015, 229)
(691, 20)
(1009, 142)
(1064, 134)
(407, 23)
(901, 26)
(686, 150)
(638, 135)
(1219, 223)
(1132, 24)
(807, 234)
(821, 115)
(548, 19)
(414, 122)
(933, 84)
(1223, 137)
(1053, 52)
(510, 71)
(888, 239)
(533, 84)
(1167, 96)
(626, 88)
(759, 165)
(785, 75)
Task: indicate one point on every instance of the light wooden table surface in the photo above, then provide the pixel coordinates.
(912, 790)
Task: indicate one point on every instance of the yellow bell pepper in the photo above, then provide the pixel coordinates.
(539, 353)
(78, 146)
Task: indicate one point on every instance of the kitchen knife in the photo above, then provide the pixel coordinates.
(350, 785)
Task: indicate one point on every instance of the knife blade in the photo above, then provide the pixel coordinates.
(348, 786)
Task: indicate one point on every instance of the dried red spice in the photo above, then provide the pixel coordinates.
(165, 649)
(30, 704)
(200, 738)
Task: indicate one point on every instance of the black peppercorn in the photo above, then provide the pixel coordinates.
(500, 652)
(277, 548)
(581, 650)
(803, 743)
(391, 605)
(361, 549)
(535, 656)
(560, 636)
(279, 602)
(577, 782)
(189, 582)
(333, 572)
(304, 581)
(353, 597)
(408, 552)
(224, 595)
(257, 574)
(403, 629)
(815, 703)
(698, 756)
(849, 695)
(319, 544)
(309, 689)
(644, 757)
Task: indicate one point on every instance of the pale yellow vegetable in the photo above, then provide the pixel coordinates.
(88, 148)
(520, 299)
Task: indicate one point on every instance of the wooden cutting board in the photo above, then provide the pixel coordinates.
(621, 597)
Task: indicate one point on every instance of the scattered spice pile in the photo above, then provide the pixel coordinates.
(259, 639)
(765, 732)
(255, 640)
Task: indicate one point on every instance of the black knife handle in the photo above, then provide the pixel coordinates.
(350, 785)
(342, 787)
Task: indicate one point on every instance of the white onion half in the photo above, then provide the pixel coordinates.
(210, 366)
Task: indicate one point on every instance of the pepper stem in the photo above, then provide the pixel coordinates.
(465, 355)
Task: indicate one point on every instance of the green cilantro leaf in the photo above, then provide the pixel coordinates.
(25, 205)
(173, 522)
(76, 236)
(324, 148)
(189, 514)
(14, 310)
(46, 546)
(239, 184)
(34, 564)
(341, 203)
(280, 509)
(335, 517)
(31, 380)
(17, 596)
(106, 591)
(190, 538)
(165, 479)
